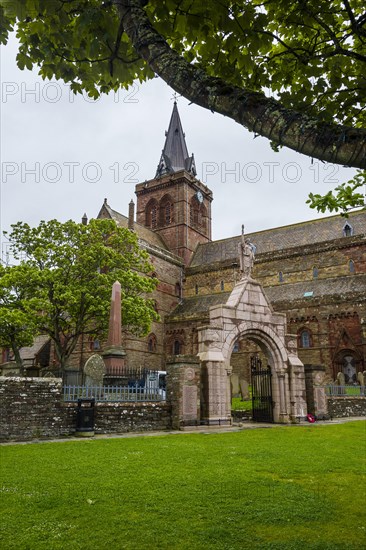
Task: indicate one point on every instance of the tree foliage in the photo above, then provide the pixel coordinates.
(292, 71)
(347, 196)
(17, 303)
(71, 269)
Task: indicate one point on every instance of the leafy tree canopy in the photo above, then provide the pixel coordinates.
(292, 71)
(70, 269)
(17, 304)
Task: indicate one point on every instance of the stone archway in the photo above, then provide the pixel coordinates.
(247, 313)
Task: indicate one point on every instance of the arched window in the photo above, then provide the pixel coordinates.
(305, 340)
(196, 289)
(351, 265)
(222, 286)
(315, 272)
(193, 211)
(280, 277)
(151, 214)
(178, 290)
(202, 217)
(166, 211)
(151, 343)
(94, 344)
(197, 214)
(177, 347)
(347, 230)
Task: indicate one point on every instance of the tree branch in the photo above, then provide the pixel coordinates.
(328, 142)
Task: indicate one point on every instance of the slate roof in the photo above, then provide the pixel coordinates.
(199, 304)
(321, 288)
(144, 233)
(175, 156)
(30, 352)
(339, 286)
(290, 236)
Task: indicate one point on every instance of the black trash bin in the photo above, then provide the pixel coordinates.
(85, 417)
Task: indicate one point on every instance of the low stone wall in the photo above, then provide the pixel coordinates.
(131, 417)
(241, 416)
(340, 407)
(33, 408)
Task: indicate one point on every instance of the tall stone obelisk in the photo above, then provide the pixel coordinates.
(114, 354)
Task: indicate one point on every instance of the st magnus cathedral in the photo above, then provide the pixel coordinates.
(313, 272)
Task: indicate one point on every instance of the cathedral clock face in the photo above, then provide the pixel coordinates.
(199, 196)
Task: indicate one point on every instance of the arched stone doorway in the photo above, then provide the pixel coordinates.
(248, 314)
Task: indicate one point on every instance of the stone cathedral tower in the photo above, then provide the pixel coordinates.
(175, 204)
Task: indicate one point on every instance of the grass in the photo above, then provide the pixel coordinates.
(279, 488)
(238, 405)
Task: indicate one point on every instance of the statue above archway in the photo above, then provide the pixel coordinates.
(246, 255)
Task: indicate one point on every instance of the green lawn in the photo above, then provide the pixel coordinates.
(238, 405)
(279, 488)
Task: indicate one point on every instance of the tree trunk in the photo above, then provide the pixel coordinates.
(265, 116)
(18, 359)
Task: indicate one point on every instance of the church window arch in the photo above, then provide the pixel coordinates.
(351, 266)
(196, 289)
(315, 272)
(166, 211)
(151, 343)
(168, 214)
(280, 277)
(305, 338)
(177, 346)
(197, 213)
(222, 286)
(347, 230)
(94, 344)
(151, 214)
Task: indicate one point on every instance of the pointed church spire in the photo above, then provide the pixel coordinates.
(175, 153)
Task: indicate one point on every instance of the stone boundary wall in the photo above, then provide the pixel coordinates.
(239, 416)
(33, 408)
(341, 407)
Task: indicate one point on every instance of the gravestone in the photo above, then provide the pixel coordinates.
(94, 370)
(341, 381)
(234, 381)
(361, 378)
(244, 389)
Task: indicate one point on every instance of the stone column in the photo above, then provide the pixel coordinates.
(217, 406)
(297, 393)
(283, 414)
(315, 391)
(114, 354)
(183, 390)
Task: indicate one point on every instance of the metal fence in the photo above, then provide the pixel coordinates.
(345, 391)
(114, 394)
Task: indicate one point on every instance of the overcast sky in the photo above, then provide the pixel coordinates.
(61, 155)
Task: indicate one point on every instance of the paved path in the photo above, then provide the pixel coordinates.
(239, 427)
